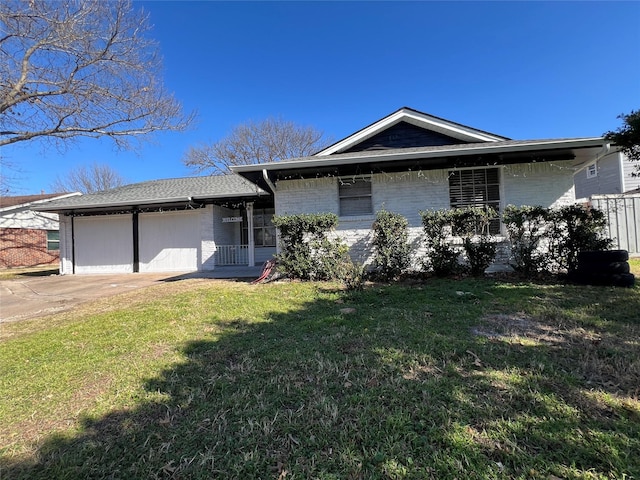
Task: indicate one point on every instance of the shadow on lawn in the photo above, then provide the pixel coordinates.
(400, 388)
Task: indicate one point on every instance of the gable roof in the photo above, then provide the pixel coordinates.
(441, 126)
(185, 191)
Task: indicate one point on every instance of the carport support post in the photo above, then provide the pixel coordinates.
(136, 243)
(252, 256)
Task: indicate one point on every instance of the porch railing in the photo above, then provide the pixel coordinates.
(232, 255)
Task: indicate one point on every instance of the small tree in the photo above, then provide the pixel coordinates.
(391, 244)
(270, 140)
(94, 178)
(627, 137)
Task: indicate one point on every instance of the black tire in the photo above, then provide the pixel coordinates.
(603, 279)
(603, 256)
(601, 267)
(624, 280)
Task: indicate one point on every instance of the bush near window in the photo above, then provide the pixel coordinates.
(526, 228)
(472, 224)
(307, 251)
(542, 239)
(392, 252)
(442, 257)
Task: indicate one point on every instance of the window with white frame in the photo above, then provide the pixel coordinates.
(355, 196)
(592, 171)
(264, 233)
(478, 187)
(53, 240)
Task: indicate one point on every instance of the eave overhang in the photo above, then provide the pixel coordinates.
(424, 158)
(175, 203)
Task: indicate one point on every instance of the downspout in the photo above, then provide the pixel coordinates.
(268, 181)
(606, 148)
(622, 179)
(604, 151)
(135, 233)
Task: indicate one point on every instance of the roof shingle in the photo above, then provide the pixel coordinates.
(161, 191)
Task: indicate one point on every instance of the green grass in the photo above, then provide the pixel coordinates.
(634, 263)
(208, 379)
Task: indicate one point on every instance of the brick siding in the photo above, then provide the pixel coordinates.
(407, 193)
(22, 247)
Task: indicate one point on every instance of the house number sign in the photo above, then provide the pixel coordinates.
(231, 219)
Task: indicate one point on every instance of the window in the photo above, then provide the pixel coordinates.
(592, 171)
(264, 233)
(476, 188)
(53, 240)
(355, 196)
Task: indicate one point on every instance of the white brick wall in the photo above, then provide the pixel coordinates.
(544, 184)
(318, 195)
(407, 193)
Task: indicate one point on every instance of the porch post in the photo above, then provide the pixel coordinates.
(252, 256)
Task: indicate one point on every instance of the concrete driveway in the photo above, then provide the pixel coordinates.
(28, 297)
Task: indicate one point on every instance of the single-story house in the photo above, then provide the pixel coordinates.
(405, 162)
(410, 161)
(27, 237)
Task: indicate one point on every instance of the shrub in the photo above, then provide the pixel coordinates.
(442, 257)
(352, 274)
(472, 224)
(391, 244)
(576, 229)
(307, 251)
(526, 227)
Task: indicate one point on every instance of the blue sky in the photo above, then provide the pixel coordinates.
(524, 70)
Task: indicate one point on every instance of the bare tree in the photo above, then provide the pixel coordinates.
(270, 140)
(91, 179)
(71, 68)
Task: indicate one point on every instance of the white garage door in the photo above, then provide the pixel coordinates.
(169, 242)
(103, 244)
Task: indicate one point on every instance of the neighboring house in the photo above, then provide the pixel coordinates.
(173, 225)
(27, 237)
(611, 173)
(406, 162)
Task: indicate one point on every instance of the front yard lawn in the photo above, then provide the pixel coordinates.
(445, 379)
